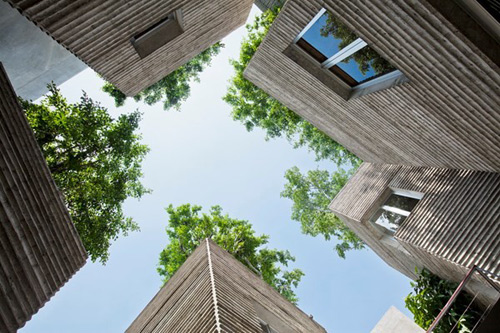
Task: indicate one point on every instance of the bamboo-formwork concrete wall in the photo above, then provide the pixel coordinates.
(39, 247)
(268, 4)
(454, 226)
(447, 115)
(99, 32)
(213, 292)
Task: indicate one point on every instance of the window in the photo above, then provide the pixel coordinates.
(340, 51)
(266, 328)
(159, 34)
(396, 209)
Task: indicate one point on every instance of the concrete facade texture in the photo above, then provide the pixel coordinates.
(214, 292)
(39, 247)
(394, 321)
(268, 4)
(454, 226)
(99, 32)
(447, 114)
(31, 58)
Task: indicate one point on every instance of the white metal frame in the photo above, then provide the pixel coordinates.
(402, 193)
(309, 25)
(346, 52)
(407, 193)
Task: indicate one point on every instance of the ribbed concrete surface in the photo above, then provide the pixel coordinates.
(454, 226)
(268, 4)
(213, 292)
(39, 247)
(446, 116)
(99, 31)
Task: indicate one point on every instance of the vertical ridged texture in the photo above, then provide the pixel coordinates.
(186, 302)
(447, 115)
(268, 4)
(454, 226)
(99, 31)
(39, 247)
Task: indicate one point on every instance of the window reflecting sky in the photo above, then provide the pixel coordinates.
(327, 45)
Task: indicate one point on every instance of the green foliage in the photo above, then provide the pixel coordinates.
(255, 108)
(366, 57)
(311, 194)
(95, 161)
(187, 227)
(430, 294)
(174, 88)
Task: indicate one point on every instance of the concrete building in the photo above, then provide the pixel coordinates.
(394, 321)
(214, 292)
(134, 44)
(441, 219)
(428, 90)
(268, 4)
(39, 247)
(30, 57)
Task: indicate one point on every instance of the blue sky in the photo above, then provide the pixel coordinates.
(201, 156)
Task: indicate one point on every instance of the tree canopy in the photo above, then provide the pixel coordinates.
(95, 161)
(188, 226)
(255, 108)
(174, 88)
(429, 296)
(311, 194)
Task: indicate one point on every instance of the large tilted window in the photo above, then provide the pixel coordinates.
(396, 209)
(341, 52)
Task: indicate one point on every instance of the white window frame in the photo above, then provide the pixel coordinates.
(401, 193)
(382, 82)
(407, 193)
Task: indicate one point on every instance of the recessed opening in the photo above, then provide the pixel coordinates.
(159, 34)
(395, 209)
(340, 51)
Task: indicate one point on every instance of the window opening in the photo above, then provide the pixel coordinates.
(396, 209)
(158, 34)
(341, 51)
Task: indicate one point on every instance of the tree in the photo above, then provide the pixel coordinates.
(255, 108)
(95, 161)
(187, 227)
(430, 294)
(174, 88)
(311, 194)
(366, 58)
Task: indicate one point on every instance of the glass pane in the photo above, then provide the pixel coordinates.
(401, 202)
(389, 220)
(328, 35)
(365, 64)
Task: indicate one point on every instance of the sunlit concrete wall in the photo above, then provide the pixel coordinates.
(394, 321)
(31, 58)
(214, 292)
(454, 226)
(446, 115)
(99, 32)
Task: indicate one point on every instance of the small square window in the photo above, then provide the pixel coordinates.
(266, 328)
(340, 51)
(395, 209)
(159, 34)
